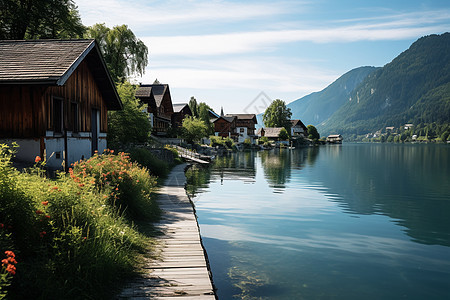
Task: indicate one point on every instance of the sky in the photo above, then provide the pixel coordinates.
(240, 55)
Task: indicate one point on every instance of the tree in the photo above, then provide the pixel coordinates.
(124, 54)
(194, 129)
(284, 135)
(278, 115)
(193, 106)
(39, 19)
(203, 114)
(313, 134)
(130, 125)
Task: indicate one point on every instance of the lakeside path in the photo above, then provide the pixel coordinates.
(180, 270)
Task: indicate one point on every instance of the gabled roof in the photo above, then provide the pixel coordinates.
(51, 62)
(272, 132)
(228, 119)
(298, 123)
(178, 107)
(158, 91)
(243, 116)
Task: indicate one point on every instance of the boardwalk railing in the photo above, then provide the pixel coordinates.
(191, 155)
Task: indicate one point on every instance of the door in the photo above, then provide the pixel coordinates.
(95, 129)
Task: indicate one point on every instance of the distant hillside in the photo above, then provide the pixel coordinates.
(413, 88)
(319, 106)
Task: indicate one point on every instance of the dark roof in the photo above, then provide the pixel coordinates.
(144, 92)
(228, 119)
(243, 117)
(158, 91)
(51, 62)
(179, 107)
(297, 123)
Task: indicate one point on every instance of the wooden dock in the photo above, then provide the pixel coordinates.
(181, 270)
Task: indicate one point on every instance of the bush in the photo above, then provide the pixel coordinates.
(145, 158)
(221, 142)
(69, 235)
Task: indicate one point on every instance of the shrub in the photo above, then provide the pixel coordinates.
(69, 235)
(145, 158)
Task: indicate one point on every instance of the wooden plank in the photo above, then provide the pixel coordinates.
(181, 270)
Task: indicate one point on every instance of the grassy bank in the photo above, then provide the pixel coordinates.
(72, 237)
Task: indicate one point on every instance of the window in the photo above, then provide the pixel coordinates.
(74, 114)
(57, 115)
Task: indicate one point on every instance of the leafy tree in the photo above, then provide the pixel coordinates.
(39, 19)
(278, 115)
(313, 134)
(284, 135)
(194, 129)
(130, 125)
(203, 114)
(124, 54)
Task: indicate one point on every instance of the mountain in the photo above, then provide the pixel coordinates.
(319, 106)
(413, 88)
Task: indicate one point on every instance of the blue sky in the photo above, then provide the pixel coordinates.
(225, 53)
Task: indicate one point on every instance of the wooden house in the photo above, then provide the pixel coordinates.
(335, 139)
(160, 108)
(225, 126)
(180, 111)
(298, 129)
(245, 126)
(54, 99)
(272, 133)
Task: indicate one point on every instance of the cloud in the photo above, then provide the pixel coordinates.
(156, 13)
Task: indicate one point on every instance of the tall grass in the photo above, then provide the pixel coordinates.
(73, 237)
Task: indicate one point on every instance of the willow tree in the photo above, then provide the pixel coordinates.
(124, 53)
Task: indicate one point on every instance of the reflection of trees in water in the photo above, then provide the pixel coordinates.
(235, 166)
(196, 179)
(406, 182)
(278, 163)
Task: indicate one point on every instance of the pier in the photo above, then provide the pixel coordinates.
(181, 268)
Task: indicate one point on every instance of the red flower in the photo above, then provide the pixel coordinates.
(2, 225)
(47, 216)
(37, 159)
(39, 212)
(45, 203)
(5, 262)
(41, 234)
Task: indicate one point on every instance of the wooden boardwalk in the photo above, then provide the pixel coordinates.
(181, 270)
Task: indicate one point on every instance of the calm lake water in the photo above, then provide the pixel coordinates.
(355, 221)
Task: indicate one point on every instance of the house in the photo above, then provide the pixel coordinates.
(225, 126)
(180, 111)
(54, 99)
(159, 105)
(272, 133)
(335, 139)
(408, 126)
(298, 129)
(245, 126)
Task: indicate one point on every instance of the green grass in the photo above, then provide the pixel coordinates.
(74, 237)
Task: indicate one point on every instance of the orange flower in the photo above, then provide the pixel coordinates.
(45, 203)
(5, 262)
(11, 260)
(37, 159)
(11, 269)
(55, 188)
(39, 212)
(81, 185)
(10, 254)
(47, 216)
(112, 151)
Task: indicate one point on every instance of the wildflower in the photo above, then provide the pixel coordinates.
(137, 180)
(10, 254)
(5, 262)
(41, 234)
(117, 188)
(47, 216)
(112, 151)
(11, 269)
(45, 203)
(55, 188)
(39, 212)
(2, 225)
(81, 185)
(37, 159)
(11, 260)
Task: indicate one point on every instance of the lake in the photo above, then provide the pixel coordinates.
(351, 221)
